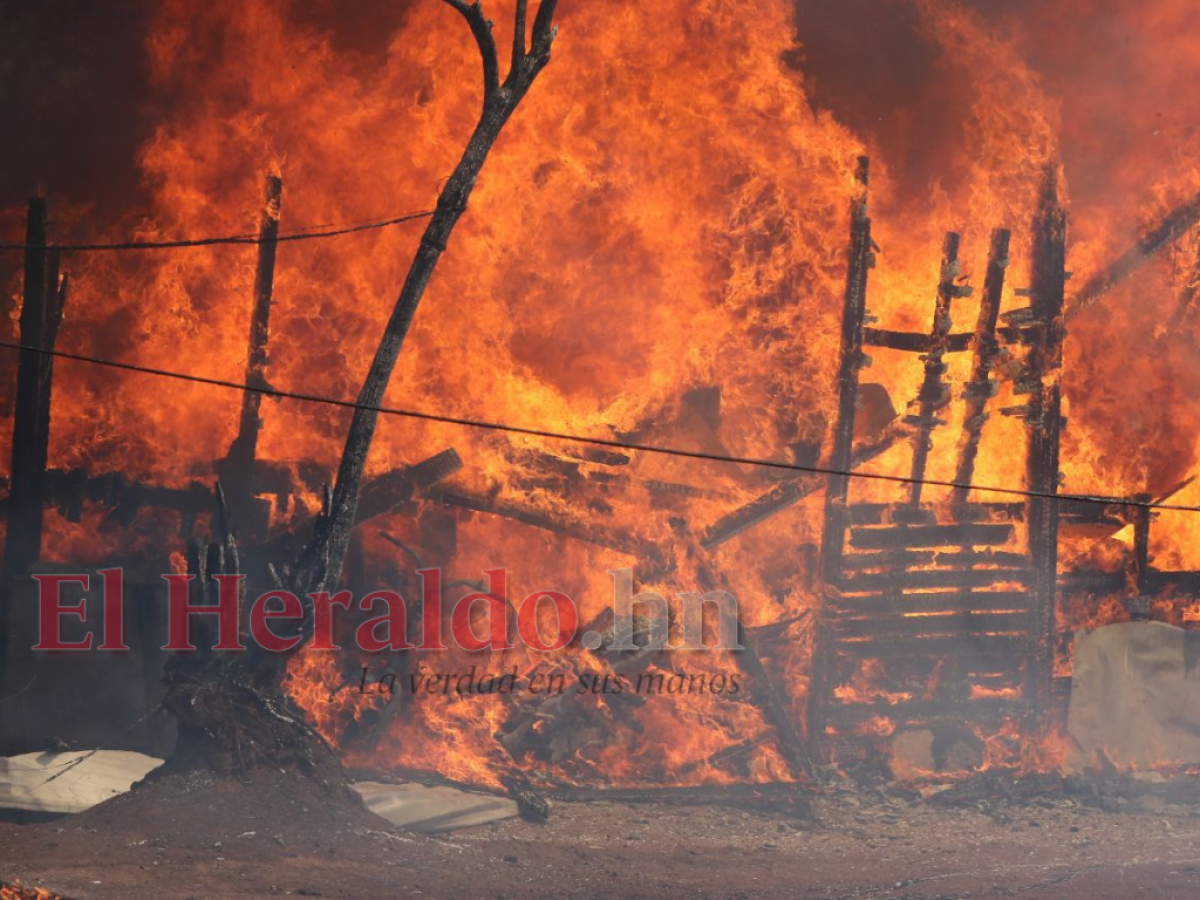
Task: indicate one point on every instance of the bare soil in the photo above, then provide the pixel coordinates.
(199, 837)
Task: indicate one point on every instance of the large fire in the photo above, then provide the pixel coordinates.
(655, 252)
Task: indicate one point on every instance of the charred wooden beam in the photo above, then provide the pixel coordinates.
(238, 468)
(912, 342)
(384, 493)
(728, 754)
(41, 313)
(777, 797)
(1141, 554)
(933, 578)
(964, 624)
(913, 711)
(902, 537)
(557, 523)
(788, 493)
(852, 361)
(933, 394)
(1170, 228)
(907, 559)
(934, 602)
(979, 645)
(1044, 421)
(980, 388)
(772, 703)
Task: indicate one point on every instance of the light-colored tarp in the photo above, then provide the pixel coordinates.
(1135, 696)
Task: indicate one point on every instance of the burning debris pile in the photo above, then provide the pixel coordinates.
(616, 280)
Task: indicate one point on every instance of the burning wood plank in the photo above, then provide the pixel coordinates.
(41, 314)
(237, 469)
(788, 493)
(556, 522)
(1170, 228)
(933, 394)
(980, 388)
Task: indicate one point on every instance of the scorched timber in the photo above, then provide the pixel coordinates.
(557, 523)
(980, 387)
(789, 493)
(1169, 229)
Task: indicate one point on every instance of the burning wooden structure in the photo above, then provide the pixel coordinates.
(940, 612)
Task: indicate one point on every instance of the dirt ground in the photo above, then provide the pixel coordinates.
(200, 838)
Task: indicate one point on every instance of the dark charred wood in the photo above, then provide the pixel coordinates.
(788, 493)
(933, 394)
(912, 342)
(1170, 228)
(775, 797)
(773, 704)
(916, 712)
(321, 562)
(557, 523)
(899, 537)
(935, 602)
(385, 493)
(906, 559)
(851, 361)
(980, 388)
(964, 623)
(993, 645)
(1044, 421)
(238, 468)
(41, 311)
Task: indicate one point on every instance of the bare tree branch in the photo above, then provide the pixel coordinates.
(518, 47)
(319, 565)
(481, 28)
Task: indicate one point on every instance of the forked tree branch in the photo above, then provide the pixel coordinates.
(481, 28)
(319, 566)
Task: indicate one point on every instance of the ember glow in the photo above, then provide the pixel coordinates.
(656, 253)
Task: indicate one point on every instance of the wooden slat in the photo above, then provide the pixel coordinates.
(933, 578)
(962, 624)
(903, 537)
(947, 601)
(952, 647)
(909, 559)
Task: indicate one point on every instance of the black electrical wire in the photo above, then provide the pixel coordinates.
(303, 234)
(594, 441)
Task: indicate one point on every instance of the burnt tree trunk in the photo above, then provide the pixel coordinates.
(231, 707)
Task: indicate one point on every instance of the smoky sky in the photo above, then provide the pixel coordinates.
(75, 99)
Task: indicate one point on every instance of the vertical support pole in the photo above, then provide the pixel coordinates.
(862, 259)
(854, 313)
(1140, 605)
(239, 465)
(979, 388)
(933, 393)
(41, 313)
(1044, 419)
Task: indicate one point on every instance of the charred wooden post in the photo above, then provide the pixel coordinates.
(854, 314)
(788, 493)
(980, 388)
(559, 523)
(837, 491)
(237, 469)
(1140, 573)
(1044, 336)
(934, 394)
(41, 313)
